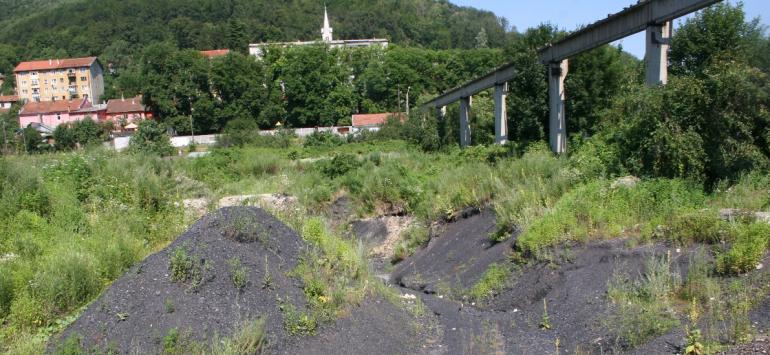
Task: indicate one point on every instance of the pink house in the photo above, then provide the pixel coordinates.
(53, 113)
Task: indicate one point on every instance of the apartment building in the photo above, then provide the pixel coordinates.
(60, 79)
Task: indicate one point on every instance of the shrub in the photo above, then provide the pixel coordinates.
(6, 291)
(323, 139)
(340, 165)
(151, 138)
(27, 313)
(700, 226)
(21, 188)
(747, 251)
(181, 265)
(65, 281)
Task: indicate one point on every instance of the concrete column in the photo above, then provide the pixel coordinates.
(501, 116)
(557, 72)
(656, 57)
(465, 125)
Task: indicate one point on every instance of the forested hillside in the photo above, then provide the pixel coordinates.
(89, 27)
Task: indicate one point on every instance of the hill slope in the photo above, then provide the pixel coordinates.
(87, 27)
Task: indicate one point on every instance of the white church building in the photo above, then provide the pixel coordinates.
(258, 49)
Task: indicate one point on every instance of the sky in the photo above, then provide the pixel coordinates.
(569, 14)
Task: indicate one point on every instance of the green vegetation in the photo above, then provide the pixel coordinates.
(75, 221)
(411, 240)
(643, 305)
(181, 265)
(72, 224)
(239, 274)
(496, 278)
(250, 338)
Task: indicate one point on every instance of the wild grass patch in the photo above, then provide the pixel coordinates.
(596, 210)
(643, 307)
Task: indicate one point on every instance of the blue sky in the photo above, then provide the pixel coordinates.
(569, 14)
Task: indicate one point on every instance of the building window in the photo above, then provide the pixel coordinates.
(83, 78)
(24, 91)
(61, 80)
(34, 73)
(58, 116)
(83, 70)
(45, 82)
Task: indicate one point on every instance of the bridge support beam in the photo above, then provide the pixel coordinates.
(656, 58)
(557, 72)
(501, 116)
(465, 125)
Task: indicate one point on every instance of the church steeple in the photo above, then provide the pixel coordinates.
(326, 31)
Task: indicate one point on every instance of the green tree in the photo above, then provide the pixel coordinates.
(151, 138)
(718, 33)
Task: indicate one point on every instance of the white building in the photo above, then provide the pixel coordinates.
(258, 49)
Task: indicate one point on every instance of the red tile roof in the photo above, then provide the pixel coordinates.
(215, 53)
(49, 64)
(43, 107)
(133, 104)
(375, 119)
(9, 98)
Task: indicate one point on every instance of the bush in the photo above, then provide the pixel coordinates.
(151, 138)
(65, 281)
(747, 251)
(323, 139)
(340, 165)
(21, 188)
(181, 265)
(694, 127)
(700, 226)
(6, 291)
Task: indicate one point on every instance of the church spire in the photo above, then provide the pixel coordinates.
(326, 31)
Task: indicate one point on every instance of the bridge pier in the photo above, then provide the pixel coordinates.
(465, 125)
(656, 57)
(557, 72)
(501, 116)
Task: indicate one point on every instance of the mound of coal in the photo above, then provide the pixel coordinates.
(140, 308)
(374, 327)
(457, 257)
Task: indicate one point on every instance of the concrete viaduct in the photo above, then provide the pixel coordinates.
(654, 16)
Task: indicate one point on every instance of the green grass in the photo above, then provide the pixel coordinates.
(643, 306)
(596, 210)
(496, 278)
